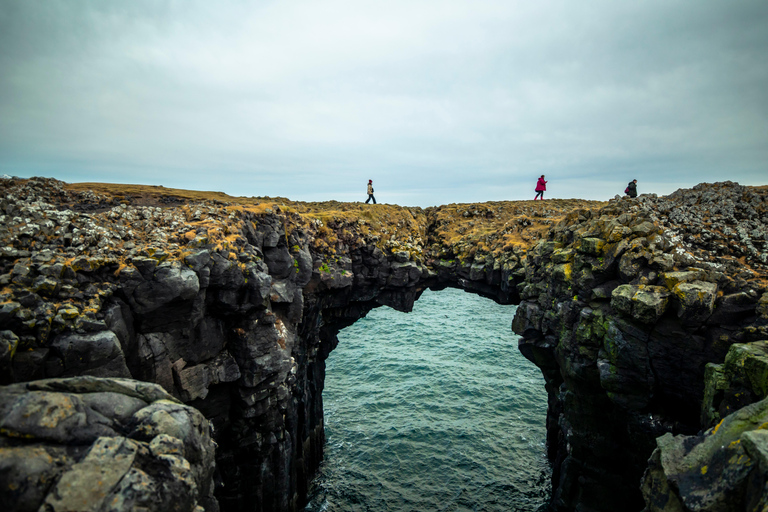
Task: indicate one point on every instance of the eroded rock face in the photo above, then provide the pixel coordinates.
(624, 325)
(87, 443)
(233, 309)
(725, 467)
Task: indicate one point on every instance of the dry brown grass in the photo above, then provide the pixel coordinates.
(156, 192)
(488, 227)
(493, 227)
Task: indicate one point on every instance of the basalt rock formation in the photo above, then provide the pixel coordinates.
(231, 306)
(622, 308)
(102, 444)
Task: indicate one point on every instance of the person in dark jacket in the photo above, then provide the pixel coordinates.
(631, 190)
(541, 186)
(370, 192)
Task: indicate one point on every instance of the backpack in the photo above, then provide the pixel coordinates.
(626, 190)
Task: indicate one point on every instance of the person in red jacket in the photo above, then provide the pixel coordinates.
(541, 186)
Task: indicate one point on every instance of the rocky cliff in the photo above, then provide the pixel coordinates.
(231, 306)
(622, 308)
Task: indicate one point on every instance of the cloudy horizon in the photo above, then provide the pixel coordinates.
(436, 102)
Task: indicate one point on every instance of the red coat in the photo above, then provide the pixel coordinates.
(541, 185)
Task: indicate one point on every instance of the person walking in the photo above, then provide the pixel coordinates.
(370, 192)
(541, 186)
(631, 189)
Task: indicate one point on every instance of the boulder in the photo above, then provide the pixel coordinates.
(695, 301)
(644, 303)
(742, 379)
(721, 470)
(98, 354)
(591, 246)
(102, 444)
(169, 283)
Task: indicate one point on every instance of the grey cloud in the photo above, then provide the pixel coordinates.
(436, 101)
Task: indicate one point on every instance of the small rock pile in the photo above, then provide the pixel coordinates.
(724, 221)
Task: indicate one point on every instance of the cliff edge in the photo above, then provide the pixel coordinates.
(231, 305)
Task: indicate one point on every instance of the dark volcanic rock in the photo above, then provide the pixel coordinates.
(723, 469)
(234, 308)
(102, 444)
(635, 363)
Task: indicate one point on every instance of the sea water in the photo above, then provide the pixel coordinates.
(433, 410)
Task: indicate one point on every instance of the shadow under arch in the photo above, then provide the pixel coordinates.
(434, 410)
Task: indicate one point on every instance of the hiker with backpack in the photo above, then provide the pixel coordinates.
(370, 192)
(631, 189)
(541, 186)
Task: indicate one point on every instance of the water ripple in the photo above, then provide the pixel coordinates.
(433, 411)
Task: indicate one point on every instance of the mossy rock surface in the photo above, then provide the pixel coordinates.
(742, 379)
(722, 469)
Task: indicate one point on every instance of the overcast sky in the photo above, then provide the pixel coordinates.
(436, 101)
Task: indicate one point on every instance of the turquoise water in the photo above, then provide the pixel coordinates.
(434, 410)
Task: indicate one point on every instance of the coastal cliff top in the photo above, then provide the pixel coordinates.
(155, 215)
(117, 221)
(64, 246)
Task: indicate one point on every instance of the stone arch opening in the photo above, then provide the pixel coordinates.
(433, 409)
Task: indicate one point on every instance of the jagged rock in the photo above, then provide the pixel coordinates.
(98, 354)
(198, 259)
(8, 343)
(762, 306)
(279, 261)
(259, 286)
(283, 291)
(194, 381)
(720, 470)
(624, 366)
(169, 282)
(672, 279)
(592, 246)
(643, 303)
(225, 274)
(741, 380)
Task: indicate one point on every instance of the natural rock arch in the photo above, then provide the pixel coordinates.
(233, 308)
